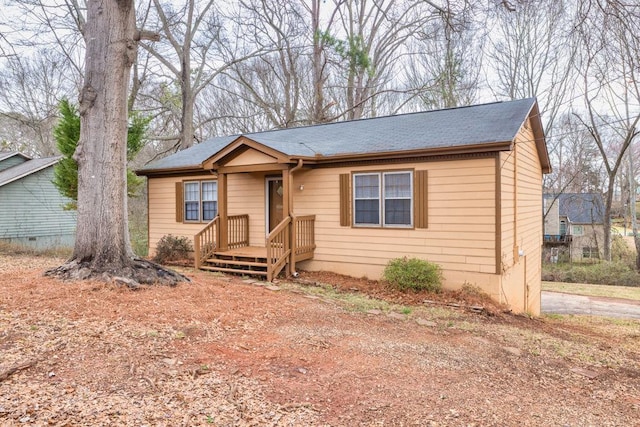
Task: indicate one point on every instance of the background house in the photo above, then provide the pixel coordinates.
(573, 226)
(460, 187)
(31, 208)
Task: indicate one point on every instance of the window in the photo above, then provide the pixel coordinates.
(590, 252)
(367, 199)
(383, 199)
(577, 230)
(209, 200)
(200, 200)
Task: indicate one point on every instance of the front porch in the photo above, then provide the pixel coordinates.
(254, 180)
(292, 240)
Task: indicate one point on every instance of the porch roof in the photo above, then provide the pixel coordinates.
(455, 129)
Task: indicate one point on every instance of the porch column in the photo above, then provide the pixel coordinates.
(223, 225)
(287, 210)
(286, 189)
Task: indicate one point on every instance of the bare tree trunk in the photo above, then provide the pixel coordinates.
(318, 78)
(102, 235)
(102, 247)
(632, 208)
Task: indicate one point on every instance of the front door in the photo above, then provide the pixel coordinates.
(274, 210)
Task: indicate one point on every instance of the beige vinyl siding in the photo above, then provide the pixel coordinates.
(162, 209)
(461, 220)
(246, 195)
(522, 225)
(250, 157)
(530, 218)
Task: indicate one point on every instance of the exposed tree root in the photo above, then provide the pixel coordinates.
(133, 274)
(19, 367)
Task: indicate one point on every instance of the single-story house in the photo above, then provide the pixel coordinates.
(573, 226)
(32, 210)
(460, 187)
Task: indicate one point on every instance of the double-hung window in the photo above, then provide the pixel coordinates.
(383, 199)
(209, 200)
(200, 200)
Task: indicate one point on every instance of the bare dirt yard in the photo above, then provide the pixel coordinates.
(322, 351)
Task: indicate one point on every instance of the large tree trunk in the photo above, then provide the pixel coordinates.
(101, 154)
(102, 247)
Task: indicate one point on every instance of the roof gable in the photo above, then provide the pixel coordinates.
(11, 158)
(581, 208)
(25, 169)
(244, 151)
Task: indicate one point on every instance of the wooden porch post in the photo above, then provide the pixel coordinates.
(223, 227)
(286, 210)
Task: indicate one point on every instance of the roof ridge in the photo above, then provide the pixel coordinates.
(413, 113)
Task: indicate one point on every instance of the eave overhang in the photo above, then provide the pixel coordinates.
(538, 134)
(217, 161)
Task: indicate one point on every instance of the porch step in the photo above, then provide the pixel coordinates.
(236, 262)
(233, 270)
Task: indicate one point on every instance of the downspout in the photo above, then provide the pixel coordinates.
(296, 167)
(292, 235)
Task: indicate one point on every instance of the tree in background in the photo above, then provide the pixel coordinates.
(608, 64)
(67, 134)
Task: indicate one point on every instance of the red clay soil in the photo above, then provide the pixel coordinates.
(221, 351)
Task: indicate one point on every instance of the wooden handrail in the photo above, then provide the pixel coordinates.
(278, 250)
(204, 242)
(304, 237)
(238, 229)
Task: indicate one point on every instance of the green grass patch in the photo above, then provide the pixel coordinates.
(624, 292)
(604, 273)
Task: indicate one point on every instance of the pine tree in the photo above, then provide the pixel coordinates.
(67, 134)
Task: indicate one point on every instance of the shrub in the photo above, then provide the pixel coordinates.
(413, 274)
(603, 273)
(172, 248)
(621, 251)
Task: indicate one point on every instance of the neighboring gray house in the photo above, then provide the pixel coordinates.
(31, 208)
(574, 225)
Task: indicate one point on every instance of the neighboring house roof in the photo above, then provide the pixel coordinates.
(27, 168)
(439, 130)
(581, 208)
(7, 154)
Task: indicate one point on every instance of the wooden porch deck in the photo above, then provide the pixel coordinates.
(292, 240)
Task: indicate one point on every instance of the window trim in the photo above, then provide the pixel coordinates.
(200, 201)
(590, 252)
(382, 223)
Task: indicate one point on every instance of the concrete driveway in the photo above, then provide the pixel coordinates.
(559, 303)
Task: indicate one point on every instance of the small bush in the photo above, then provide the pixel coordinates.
(621, 251)
(413, 274)
(172, 248)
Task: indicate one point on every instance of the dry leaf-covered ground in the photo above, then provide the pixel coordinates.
(220, 351)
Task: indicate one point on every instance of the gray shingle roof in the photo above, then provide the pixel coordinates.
(581, 208)
(27, 168)
(6, 154)
(455, 127)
